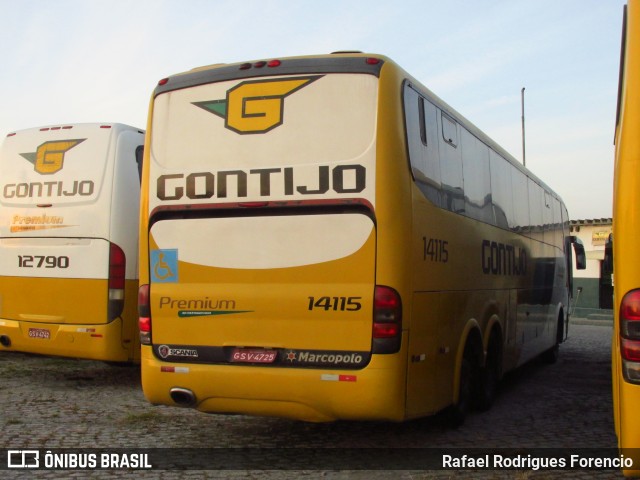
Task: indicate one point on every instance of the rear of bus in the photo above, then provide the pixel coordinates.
(259, 291)
(68, 241)
(626, 229)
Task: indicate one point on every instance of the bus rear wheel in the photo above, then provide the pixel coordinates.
(458, 412)
(551, 356)
(468, 376)
(489, 376)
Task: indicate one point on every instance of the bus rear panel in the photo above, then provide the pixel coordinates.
(262, 247)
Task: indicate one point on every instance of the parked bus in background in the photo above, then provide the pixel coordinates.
(625, 351)
(323, 238)
(69, 241)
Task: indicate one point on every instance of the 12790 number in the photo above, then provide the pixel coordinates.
(43, 261)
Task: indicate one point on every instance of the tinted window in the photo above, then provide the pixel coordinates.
(520, 201)
(557, 223)
(451, 167)
(501, 190)
(547, 218)
(477, 177)
(423, 146)
(536, 204)
(449, 130)
(139, 156)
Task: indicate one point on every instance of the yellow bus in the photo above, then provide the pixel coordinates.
(69, 197)
(323, 238)
(625, 351)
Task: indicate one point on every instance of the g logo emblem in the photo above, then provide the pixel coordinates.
(255, 106)
(49, 157)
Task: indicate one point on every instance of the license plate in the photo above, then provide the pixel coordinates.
(39, 333)
(251, 355)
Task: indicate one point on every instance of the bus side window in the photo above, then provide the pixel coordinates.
(139, 156)
(423, 126)
(422, 142)
(536, 203)
(449, 130)
(521, 218)
(477, 178)
(501, 190)
(557, 223)
(451, 166)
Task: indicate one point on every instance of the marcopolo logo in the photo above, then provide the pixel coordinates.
(255, 106)
(49, 157)
(325, 358)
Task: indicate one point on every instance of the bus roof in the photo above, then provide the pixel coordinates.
(338, 62)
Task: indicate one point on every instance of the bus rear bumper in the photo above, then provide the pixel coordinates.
(313, 395)
(93, 342)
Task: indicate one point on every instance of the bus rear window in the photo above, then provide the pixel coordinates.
(234, 124)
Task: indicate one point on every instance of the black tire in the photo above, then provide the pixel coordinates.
(459, 411)
(489, 377)
(551, 356)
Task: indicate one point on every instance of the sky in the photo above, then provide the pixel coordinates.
(72, 61)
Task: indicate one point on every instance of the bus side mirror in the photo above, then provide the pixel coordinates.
(581, 257)
(607, 267)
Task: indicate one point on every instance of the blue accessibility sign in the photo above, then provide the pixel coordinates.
(164, 266)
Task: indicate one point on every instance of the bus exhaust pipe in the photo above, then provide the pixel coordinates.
(5, 341)
(183, 397)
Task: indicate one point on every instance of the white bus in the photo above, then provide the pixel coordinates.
(69, 199)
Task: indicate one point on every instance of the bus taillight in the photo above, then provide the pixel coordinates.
(630, 336)
(260, 64)
(144, 314)
(117, 269)
(387, 320)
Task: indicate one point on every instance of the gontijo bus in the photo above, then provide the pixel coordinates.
(625, 351)
(323, 238)
(69, 197)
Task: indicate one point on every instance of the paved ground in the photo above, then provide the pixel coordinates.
(49, 403)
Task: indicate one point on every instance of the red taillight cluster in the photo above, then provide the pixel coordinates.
(261, 64)
(144, 314)
(387, 320)
(630, 336)
(117, 271)
(117, 267)
(47, 129)
(276, 63)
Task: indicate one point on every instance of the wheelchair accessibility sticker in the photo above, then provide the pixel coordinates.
(164, 266)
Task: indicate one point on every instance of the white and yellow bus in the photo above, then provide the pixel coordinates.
(69, 205)
(625, 351)
(323, 238)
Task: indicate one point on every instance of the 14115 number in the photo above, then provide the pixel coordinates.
(344, 304)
